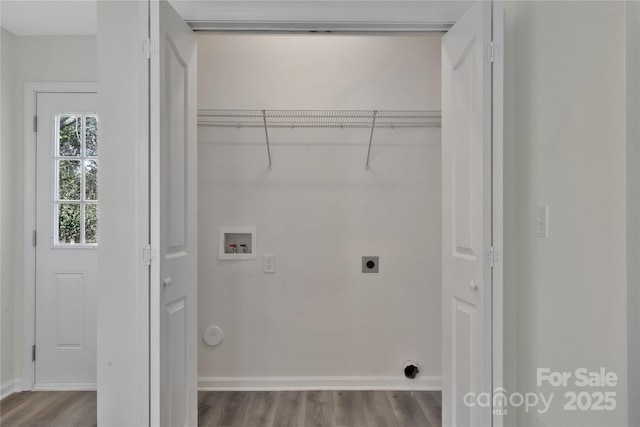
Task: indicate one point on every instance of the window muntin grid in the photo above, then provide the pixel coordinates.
(75, 164)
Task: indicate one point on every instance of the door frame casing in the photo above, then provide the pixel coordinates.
(144, 329)
(31, 91)
(498, 345)
(492, 267)
(632, 72)
(171, 37)
(124, 254)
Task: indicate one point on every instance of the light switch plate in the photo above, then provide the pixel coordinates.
(370, 264)
(269, 263)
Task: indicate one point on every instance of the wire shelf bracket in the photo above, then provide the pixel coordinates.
(390, 119)
(266, 136)
(373, 127)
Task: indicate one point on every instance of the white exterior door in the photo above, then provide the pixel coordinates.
(173, 219)
(466, 238)
(66, 242)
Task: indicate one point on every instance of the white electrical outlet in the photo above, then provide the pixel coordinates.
(269, 263)
(542, 222)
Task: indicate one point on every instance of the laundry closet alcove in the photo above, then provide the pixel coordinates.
(318, 321)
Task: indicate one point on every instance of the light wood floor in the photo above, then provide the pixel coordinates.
(49, 409)
(245, 409)
(320, 409)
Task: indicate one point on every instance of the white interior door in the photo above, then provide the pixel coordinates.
(173, 219)
(66, 256)
(466, 239)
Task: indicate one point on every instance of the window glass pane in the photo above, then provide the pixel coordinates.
(68, 224)
(70, 140)
(91, 223)
(92, 136)
(69, 179)
(91, 182)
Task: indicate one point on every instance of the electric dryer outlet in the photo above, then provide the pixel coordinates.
(370, 264)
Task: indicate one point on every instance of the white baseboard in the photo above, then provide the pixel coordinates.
(318, 383)
(65, 387)
(9, 388)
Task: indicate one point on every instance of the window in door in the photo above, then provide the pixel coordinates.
(76, 171)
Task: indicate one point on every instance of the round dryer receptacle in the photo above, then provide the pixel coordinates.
(212, 336)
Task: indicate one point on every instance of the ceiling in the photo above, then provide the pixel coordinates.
(77, 17)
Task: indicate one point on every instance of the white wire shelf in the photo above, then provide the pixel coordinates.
(367, 119)
(319, 118)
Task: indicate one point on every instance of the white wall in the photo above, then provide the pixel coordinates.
(123, 278)
(7, 374)
(568, 118)
(34, 59)
(320, 212)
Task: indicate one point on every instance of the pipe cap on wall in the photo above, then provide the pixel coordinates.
(411, 369)
(212, 335)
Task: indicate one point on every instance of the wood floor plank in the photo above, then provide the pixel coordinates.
(290, 409)
(57, 413)
(320, 409)
(204, 406)
(408, 411)
(262, 409)
(430, 398)
(88, 413)
(78, 411)
(15, 402)
(213, 404)
(51, 409)
(27, 412)
(437, 396)
(246, 409)
(235, 409)
(378, 409)
(431, 404)
(349, 407)
(203, 396)
(434, 415)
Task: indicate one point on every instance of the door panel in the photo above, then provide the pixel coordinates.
(173, 220)
(463, 152)
(66, 249)
(466, 177)
(68, 297)
(463, 353)
(176, 360)
(177, 109)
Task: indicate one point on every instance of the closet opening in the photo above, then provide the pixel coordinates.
(327, 147)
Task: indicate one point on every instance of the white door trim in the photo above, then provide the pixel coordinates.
(632, 59)
(31, 90)
(497, 208)
(143, 329)
(496, 311)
